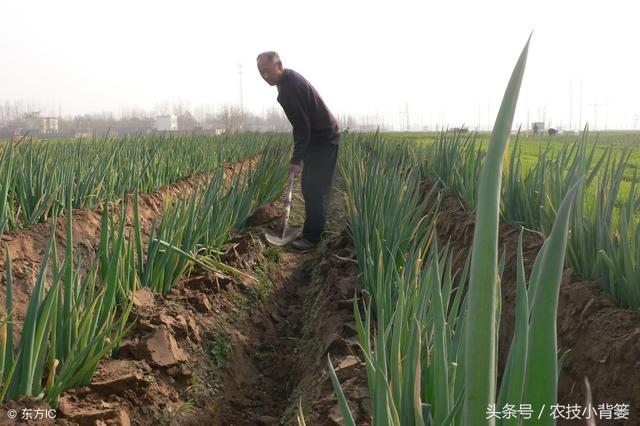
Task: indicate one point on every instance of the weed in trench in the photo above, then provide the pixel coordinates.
(273, 253)
(167, 416)
(264, 287)
(218, 350)
(262, 356)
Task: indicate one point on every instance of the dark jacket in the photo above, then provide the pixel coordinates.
(313, 123)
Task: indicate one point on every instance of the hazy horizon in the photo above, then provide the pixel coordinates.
(445, 64)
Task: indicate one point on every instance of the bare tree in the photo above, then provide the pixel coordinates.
(186, 121)
(232, 119)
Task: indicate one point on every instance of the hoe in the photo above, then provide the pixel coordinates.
(286, 234)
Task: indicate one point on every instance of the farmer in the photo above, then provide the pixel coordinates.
(315, 136)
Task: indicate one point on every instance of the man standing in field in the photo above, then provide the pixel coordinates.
(316, 137)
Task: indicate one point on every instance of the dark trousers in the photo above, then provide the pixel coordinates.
(318, 171)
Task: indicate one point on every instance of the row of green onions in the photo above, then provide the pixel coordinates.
(74, 319)
(430, 347)
(36, 176)
(604, 224)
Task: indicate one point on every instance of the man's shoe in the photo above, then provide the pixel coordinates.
(303, 244)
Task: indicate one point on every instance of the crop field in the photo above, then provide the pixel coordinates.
(463, 279)
(532, 145)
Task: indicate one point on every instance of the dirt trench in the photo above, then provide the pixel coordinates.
(260, 379)
(278, 364)
(278, 361)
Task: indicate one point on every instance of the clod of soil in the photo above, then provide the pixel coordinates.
(160, 348)
(263, 215)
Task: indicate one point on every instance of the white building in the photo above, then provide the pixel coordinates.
(167, 123)
(36, 123)
(537, 126)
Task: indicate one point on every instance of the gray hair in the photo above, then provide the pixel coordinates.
(270, 56)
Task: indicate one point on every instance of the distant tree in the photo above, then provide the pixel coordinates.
(186, 121)
(232, 119)
(276, 121)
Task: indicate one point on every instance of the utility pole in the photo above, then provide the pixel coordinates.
(241, 123)
(570, 104)
(580, 120)
(488, 117)
(595, 106)
(406, 107)
(240, 87)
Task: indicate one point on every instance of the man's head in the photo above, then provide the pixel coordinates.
(270, 67)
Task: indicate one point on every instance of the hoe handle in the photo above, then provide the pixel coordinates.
(287, 204)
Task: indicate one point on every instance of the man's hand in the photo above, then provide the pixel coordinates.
(295, 169)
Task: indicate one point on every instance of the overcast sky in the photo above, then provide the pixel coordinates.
(443, 61)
